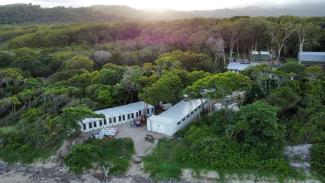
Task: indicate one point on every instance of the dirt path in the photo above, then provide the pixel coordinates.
(137, 134)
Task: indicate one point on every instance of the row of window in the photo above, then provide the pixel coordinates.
(116, 119)
(192, 112)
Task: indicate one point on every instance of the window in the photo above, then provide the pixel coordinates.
(179, 123)
(148, 111)
(120, 118)
(100, 123)
(95, 124)
(195, 109)
(136, 114)
(114, 119)
(110, 120)
(192, 112)
(105, 122)
(84, 126)
(132, 115)
(183, 119)
(188, 116)
(90, 125)
(129, 116)
(123, 117)
(152, 110)
(140, 112)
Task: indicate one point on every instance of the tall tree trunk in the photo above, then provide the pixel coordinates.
(279, 52)
(237, 51)
(301, 47)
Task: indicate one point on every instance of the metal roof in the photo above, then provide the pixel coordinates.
(179, 111)
(313, 57)
(239, 66)
(260, 52)
(121, 110)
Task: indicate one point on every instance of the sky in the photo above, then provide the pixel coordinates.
(163, 4)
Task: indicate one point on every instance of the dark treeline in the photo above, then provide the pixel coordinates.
(27, 13)
(136, 43)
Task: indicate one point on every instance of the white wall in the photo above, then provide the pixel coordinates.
(160, 125)
(111, 119)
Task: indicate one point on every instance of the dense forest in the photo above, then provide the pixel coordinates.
(28, 13)
(53, 75)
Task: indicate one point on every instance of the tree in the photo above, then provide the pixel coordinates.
(230, 31)
(284, 98)
(6, 58)
(306, 31)
(81, 157)
(100, 93)
(109, 76)
(294, 69)
(167, 62)
(9, 76)
(258, 128)
(280, 32)
(217, 86)
(189, 60)
(217, 47)
(317, 154)
(79, 62)
(168, 88)
(101, 57)
(71, 116)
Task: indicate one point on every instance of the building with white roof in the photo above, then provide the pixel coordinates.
(176, 117)
(261, 56)
(240, 66)
(312, 58)
(117, 115)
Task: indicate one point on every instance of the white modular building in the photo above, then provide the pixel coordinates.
(176, 117)
(116, 116)
(240, 66)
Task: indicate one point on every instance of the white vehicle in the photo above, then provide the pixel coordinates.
(106, 132)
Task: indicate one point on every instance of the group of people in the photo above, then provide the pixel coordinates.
(139, 121)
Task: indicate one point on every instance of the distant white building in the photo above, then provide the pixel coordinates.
(261, 56)
(311, 58)
(176, 117)
(240, 66)
(116, 116)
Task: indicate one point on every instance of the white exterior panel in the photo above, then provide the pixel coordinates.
(177, 117)
(116, 115)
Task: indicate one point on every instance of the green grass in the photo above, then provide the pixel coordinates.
(162, 163)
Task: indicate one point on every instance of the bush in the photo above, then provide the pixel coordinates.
(81, 157)
(318, 158)
(114, 154)
(162, 162)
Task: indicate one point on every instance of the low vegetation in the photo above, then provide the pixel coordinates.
(113, 155)
(318, 158)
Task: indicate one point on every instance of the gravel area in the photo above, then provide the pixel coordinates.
(137, 134)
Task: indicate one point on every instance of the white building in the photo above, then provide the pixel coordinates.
(240, 66)
(117, 115)
(176, 117)
(311, 58)
(261, 56)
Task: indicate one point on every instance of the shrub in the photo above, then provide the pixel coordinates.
(318, 158)
(114, 154)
